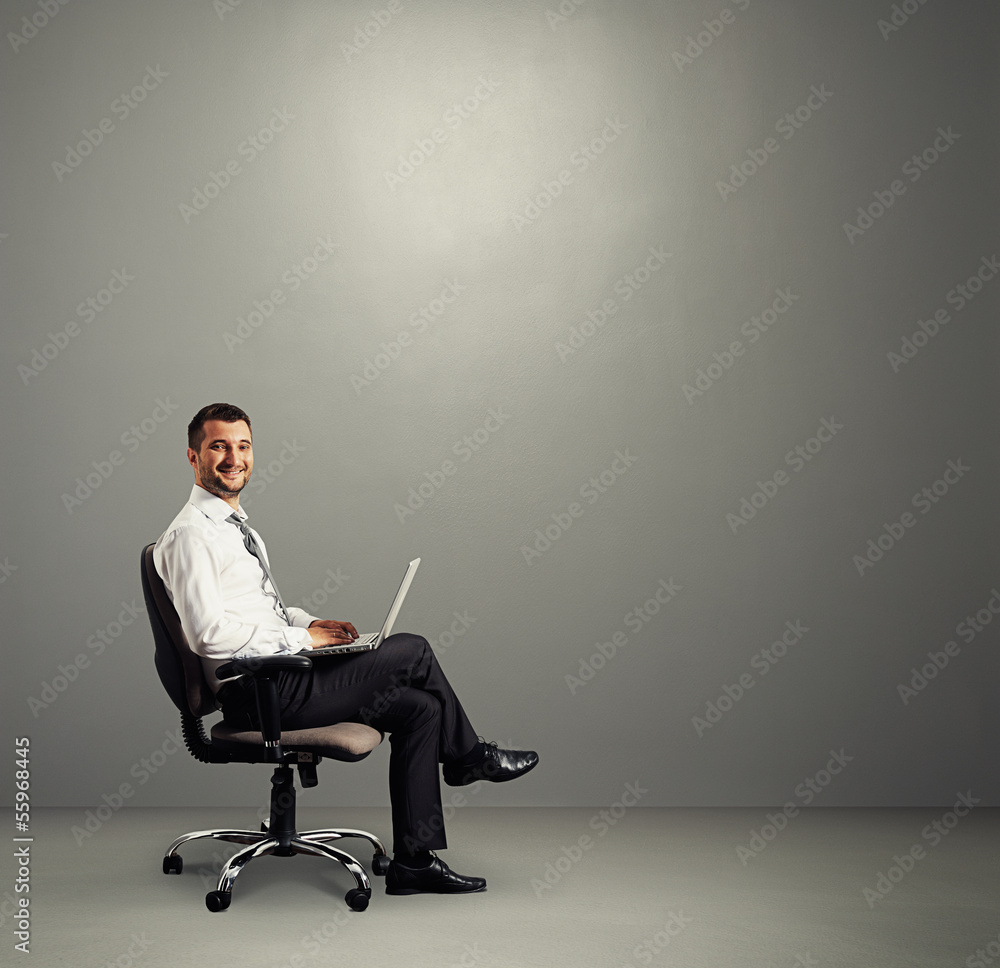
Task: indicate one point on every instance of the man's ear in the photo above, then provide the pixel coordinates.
(192, 458)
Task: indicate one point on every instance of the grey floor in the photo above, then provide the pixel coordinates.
(657, 887)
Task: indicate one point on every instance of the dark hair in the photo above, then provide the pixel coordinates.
(225, 412)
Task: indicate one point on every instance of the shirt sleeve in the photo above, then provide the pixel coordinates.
(190, 567)
(299, 617)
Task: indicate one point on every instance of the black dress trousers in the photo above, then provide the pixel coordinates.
(400, 689)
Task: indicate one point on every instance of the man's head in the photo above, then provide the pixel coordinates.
(220, 449)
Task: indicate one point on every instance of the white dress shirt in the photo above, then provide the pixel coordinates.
(226, 605)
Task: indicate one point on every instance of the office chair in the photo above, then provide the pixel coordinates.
(182, 675)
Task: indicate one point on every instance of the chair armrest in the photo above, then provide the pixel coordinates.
(263, 670)
(263, 665)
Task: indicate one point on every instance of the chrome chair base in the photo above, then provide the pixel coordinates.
(260, 843)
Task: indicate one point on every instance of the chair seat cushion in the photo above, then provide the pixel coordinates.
(341, 741)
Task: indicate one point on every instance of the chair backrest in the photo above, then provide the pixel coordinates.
(179, 668)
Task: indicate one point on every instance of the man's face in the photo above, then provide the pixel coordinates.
(225, 461)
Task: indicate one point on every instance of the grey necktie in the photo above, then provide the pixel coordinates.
(250, 542)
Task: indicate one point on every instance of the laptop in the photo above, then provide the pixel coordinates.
(365, 643)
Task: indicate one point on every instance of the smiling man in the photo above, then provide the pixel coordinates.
(230, 608)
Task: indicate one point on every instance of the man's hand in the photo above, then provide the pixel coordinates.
(328, 632)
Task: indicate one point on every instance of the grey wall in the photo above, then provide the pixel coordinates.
(587, 148)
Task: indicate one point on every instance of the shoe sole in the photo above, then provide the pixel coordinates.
(398, 891)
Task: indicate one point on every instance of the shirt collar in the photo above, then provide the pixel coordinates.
(211, 506)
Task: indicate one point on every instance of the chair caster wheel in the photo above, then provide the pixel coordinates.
(380, 864)
(357, 899)
(173, 864)
(218, 900)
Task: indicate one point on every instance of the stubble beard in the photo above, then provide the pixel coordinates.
(213, 482)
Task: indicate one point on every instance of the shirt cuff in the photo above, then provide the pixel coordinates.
(297, 639)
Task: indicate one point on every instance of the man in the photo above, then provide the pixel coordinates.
(229, 607)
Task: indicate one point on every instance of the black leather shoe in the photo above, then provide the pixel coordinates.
(436, 878)
(497, 766)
